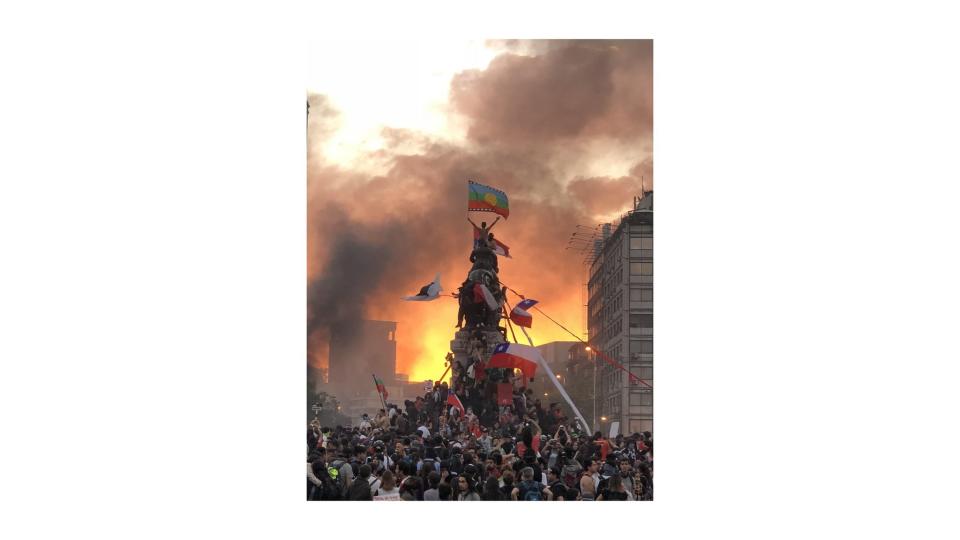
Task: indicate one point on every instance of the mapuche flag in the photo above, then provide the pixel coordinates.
(380, 387)
(453, 400)
(483, 198)
(515, 356)
(520, 316)
(499, 247)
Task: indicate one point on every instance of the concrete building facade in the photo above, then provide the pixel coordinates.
(357, 352)
(620, 320)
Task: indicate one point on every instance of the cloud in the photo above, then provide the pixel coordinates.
(373, 238)
(603, 196)
(572, 90)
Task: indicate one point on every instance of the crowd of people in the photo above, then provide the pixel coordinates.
(431, 451)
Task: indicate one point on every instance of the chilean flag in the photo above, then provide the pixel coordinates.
(520, 316)
(453, 400)
(515, 356)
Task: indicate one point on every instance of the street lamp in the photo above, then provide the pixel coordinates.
(603, 418)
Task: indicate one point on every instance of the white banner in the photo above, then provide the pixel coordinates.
(552, 377)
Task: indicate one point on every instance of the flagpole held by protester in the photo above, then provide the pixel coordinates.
(381, 390)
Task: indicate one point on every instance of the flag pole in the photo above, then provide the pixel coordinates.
(514, 334)
(377, 386)
(549, 373)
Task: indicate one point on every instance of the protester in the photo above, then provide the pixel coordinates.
(491, 489)
(615, 490)
(590, 481)
(556, 485)
(360, 489)
(432, 494)
(530, 489)
(428, 449)
(466, 490)
(388, 490)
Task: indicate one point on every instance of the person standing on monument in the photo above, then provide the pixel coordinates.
(484, 231)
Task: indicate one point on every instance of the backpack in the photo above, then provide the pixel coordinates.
(333, 472)
(531, 491)
(328, 490)
(602, 486)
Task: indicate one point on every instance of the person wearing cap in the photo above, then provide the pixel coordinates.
(485, 441)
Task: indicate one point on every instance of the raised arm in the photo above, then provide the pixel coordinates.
(472, 223)
(492, 224)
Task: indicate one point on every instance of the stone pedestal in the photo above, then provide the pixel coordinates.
(460, 345)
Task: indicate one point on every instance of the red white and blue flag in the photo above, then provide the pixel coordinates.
(520, 316)
(453, 400)
(515, 356)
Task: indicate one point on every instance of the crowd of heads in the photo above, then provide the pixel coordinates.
(427, 450)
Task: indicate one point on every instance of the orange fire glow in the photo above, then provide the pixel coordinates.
(388, 166)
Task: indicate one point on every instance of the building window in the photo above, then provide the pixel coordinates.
(643, 397)
(641, 242)
(641, 295)
(641, 269)
(641, 320)
(641, 346)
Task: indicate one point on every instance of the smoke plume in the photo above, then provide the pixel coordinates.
(534, 122)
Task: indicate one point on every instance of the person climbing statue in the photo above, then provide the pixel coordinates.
(484, 232)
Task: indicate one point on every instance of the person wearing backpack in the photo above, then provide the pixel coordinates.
(530, 489)
(328, 490)
(557, 486)
(570, 474)
(341, 474)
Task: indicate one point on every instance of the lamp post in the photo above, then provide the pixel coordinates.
(589, 351)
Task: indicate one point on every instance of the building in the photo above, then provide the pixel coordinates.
(620, 319)
(357, 352)
(578, 380)
(555, 355)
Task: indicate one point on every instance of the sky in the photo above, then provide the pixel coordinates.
(396, 129)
